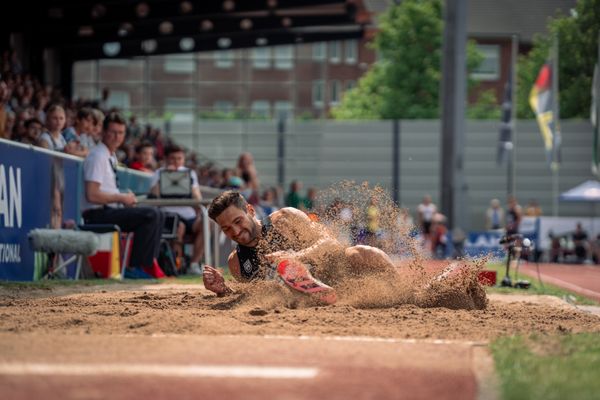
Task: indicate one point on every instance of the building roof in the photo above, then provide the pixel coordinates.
(83, 29)
(499, 18)
(506, 17)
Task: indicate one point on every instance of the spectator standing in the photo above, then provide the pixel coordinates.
(268, 201)
(372, 222)
(52, 138)
(134, 130)
(247, 171)
(103, 102)
(104, 204)
(425, 212)
(533, 209)
(294, 198)
(190, 222)
(494, 216)
(513, 216)
(310, 201)
(226, 175)
(580, 243)
(439, 236)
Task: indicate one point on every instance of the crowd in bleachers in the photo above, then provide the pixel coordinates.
(39, 115)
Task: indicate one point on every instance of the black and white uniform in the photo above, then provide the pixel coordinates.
(252, 264)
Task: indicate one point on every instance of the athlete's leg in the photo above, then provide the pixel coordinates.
(368, 259)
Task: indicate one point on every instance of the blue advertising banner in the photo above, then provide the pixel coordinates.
(488, 242)
(484, 243)
(40, 189)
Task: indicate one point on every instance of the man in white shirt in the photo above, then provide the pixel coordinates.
(189, 217)
(105, 204)
(425, 212)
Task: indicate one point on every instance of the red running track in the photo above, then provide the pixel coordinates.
(582, 279)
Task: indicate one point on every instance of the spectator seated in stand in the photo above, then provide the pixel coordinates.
(73, 134)
(105, 204)
(52, 137)
(190, 220)
(33, 130)
(144, 158)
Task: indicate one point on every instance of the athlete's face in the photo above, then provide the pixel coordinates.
(239, 225)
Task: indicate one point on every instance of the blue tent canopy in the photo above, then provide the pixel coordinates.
(588, 191)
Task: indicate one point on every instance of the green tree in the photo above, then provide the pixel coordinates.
(578, 41)
(405, 82)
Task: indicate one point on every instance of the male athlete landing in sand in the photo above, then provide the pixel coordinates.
(282, 246)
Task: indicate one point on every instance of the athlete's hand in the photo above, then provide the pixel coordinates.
(214, 281)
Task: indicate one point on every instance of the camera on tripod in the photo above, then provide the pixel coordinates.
(514, 243)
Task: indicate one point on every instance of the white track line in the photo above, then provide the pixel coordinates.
(180, 371)
(367, 339)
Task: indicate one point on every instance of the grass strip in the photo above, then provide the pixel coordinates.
(548, 367)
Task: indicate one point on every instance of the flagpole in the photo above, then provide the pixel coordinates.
(556, 136)
(596, 103)
(512, 162)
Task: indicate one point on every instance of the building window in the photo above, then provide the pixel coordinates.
(335, 92)
(334, 52)
(261, 58)
(119, 99)
(180, 108)
(284, 56)
(350, 84)
(318, 51)
(317, 93)
(283, 109)
(351, 51)
(223, 106)
(489, 69)
(260, 108)
(223, 59)
(179, 64)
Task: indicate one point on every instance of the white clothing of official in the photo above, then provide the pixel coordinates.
(100, 166)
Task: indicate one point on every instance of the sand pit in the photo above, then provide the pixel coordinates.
(191, 310)
(413, 303)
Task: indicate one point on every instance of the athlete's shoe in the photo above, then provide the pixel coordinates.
(298, 277)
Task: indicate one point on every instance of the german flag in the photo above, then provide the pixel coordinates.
(541, 99)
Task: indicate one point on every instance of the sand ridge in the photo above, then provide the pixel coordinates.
(191, 310)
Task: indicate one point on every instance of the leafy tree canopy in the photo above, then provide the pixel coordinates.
(578, 51)
(405, 82)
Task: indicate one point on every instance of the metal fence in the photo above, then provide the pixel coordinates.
(322, 152)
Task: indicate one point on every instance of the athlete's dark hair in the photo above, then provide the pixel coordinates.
(223, 201)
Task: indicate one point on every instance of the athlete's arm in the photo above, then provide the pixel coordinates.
(296, 225)
(213, 278)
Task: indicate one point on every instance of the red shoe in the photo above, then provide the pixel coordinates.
(155, 271)
(298, 277)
